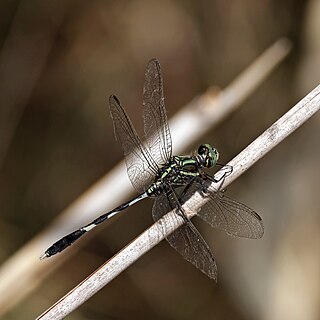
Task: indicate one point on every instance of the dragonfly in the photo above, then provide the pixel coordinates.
(172, 180)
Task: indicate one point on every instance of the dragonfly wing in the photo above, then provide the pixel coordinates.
(141, 167)
(187, 240)
(227, 214)
(156, 127)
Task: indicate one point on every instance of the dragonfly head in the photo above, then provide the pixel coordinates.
(207, 155)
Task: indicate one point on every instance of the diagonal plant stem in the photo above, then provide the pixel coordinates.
(288, 123)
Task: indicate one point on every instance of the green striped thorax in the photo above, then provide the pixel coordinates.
(181, 170)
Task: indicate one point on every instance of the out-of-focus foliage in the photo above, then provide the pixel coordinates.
(60, 60)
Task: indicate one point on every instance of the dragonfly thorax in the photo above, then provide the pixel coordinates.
(179, 171)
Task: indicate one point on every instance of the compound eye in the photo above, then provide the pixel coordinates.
(203, 149)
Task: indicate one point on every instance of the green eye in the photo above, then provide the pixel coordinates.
(209, 154)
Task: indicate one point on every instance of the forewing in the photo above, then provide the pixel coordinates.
(141, 167)
(227, 214)
(186, 240)
(156, 127)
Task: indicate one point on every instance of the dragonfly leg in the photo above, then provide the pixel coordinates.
(178, 205)
(187, 187)
(221, 180)
(227, 168)
(222, 174)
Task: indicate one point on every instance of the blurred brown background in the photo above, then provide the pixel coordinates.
(59, 62)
